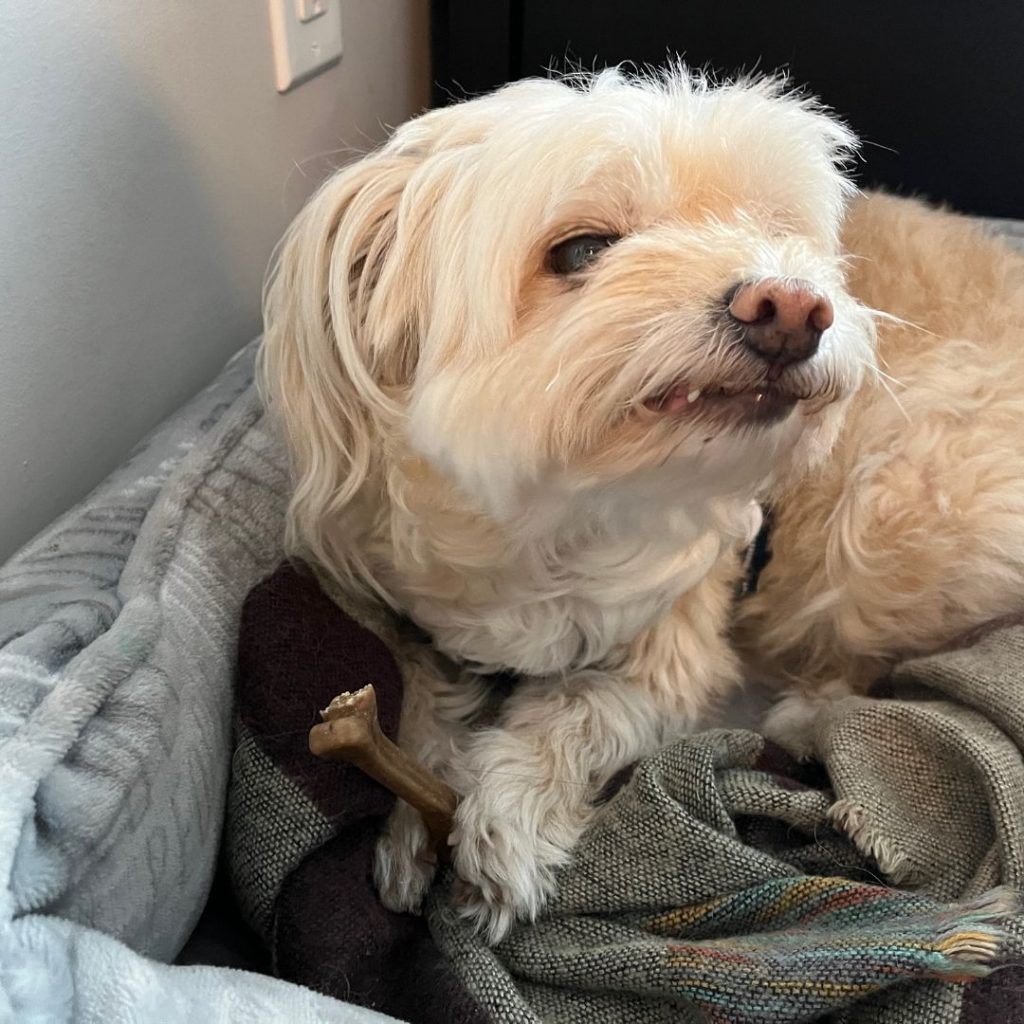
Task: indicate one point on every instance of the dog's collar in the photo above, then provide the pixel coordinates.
(501, 678)
(757, 556)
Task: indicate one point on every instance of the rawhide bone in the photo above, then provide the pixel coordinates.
(351, 732)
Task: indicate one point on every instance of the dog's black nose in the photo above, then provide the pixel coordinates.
(782, 320)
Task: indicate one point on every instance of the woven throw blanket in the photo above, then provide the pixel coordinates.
(300, 833)
(721, 882)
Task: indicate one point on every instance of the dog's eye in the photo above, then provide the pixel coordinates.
(576, 254)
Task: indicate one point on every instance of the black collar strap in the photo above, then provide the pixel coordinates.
(757, 556)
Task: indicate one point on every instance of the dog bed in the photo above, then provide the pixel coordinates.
(118, 628)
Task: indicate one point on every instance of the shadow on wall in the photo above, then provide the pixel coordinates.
(116, 284)
(149, 168)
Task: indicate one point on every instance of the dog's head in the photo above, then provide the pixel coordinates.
(616, 284)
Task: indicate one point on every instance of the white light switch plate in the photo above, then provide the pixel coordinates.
(306, 36)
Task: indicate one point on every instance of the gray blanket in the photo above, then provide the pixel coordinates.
(117, 636)
(725, 883)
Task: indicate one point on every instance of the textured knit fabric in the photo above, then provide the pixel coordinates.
(717, 882)
(722, 882)
(118, 632)
(116, 661)
(671, 907)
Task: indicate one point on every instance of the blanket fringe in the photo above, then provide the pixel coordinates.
(974, 937)
(853, 819)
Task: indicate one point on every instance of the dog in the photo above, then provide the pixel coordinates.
(539, 360)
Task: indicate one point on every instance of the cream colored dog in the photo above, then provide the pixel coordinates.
(538, 359)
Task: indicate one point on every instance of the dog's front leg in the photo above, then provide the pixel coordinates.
(436, 710)
(530, 783)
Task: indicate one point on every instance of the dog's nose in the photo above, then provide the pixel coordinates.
(782, 320)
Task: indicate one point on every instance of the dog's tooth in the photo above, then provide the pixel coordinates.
(693, 395)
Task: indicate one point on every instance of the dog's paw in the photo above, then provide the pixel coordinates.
(792, 722)
(404, 861)
(506, 860)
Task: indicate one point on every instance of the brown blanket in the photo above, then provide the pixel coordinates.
(301, 832)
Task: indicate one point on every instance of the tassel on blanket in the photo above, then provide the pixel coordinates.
(975, 940)
(795, 947)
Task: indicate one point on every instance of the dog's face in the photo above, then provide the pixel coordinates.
(577, 272)
(558, 287)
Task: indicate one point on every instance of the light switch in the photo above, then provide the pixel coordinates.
(307, 10)
(306, 37)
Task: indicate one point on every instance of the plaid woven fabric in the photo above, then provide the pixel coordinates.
(300, 832)
(721, 883)
(678, 905)
(826, 941)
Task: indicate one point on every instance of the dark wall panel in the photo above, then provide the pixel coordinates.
(936, 90)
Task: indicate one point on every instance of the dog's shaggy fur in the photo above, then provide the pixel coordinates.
(504, 453)
(912, 531)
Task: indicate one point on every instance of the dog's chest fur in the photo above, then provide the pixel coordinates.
(560, 596)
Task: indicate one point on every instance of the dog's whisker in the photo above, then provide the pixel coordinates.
(851, 257)
(881, 314)
(881, 373)
(880, 358)
(625, 349)
(892, 394)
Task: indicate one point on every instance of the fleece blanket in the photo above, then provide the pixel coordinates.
(118, 628)
(722, 881)
(56, 971)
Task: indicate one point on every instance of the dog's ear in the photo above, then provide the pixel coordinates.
(339, 348)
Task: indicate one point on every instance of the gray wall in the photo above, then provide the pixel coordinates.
(147, 167)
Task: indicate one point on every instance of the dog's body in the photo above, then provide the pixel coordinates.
(539, 359)
(912, 532)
